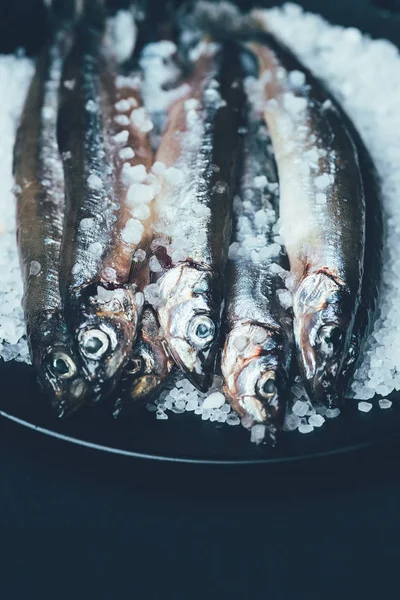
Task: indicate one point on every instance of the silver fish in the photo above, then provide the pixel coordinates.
(257, 352)
(148, 368)
(101, 141)
(322, 209)
(40, 211)
(198, 151)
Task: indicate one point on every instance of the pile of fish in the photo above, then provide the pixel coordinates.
(225, 233)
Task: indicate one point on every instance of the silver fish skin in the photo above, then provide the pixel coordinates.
(100, 301)
(40, 212)
(201, 144)
(258, 344)
(322, 208)
(148, 368)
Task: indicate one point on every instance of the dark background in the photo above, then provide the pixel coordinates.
(79, 524)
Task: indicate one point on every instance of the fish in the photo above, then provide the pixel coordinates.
(40, 214)
(103, 137)
(258, 347)
(322, 210)
(373, 261)
(149, 366)
(197, 160)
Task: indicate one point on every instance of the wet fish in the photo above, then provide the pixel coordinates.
(258, 316)
(197, 161)
(373, 260)
(103, 137)
(322, 211)
(40, 208)
(148, 368)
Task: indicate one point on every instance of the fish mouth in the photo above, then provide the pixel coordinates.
(254, 370)
(264, 405)
(197, 366)
(60, 375)
(321, 358)
(104, 348)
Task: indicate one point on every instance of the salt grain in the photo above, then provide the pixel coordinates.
(385, 403)
(215, 400)
(94, 182)
(364, 406)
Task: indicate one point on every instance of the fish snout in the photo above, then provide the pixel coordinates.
(61, 377)
(322, 356)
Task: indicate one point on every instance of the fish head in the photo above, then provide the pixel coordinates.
(56, 364)
(189, 315)
(150, 364)
(255, 372)
(105, 332)
(322, 325)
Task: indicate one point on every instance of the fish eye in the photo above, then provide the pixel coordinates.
(94, 343)
(134, 366)
(201, 330)
(62, 365)
(329, 336)
(265, 387)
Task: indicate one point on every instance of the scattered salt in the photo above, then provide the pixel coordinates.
(95, 248)
(215, 400)
(364, 406)
(385, 403)
(305, 428)
(94, 182)
(126, 153)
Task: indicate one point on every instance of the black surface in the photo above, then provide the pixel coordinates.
(76, 523)
(185, 437)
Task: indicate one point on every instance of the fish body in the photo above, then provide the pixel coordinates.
(148, 368)
(198, 154)
(40, 214)
(373, 261)
(100, 145)
(257, 323)
(322, 209)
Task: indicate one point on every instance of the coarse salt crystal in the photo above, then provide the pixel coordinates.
(305, 428)
(132, 232)
(154, 265)
(126, 153)
(173, 175)
(297, 79)
(122, 120)
(121, 137)
(94, 182)
(141, 212)
(141, 120)
(300, 408)
(385, 403)
(214, 400)
(139, 193)
(91, 106)
(364, 406)
(332, 413)
(139, 299)
(316, 420)
(95, 248)
(257, 434)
